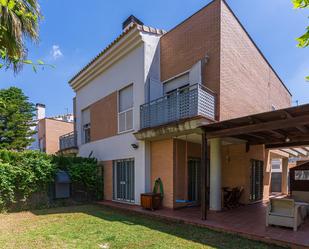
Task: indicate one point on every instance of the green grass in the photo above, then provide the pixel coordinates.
(93, 226)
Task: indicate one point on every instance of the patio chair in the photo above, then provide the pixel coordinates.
(284, 212)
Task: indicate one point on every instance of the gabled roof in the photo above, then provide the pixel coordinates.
(141, 28)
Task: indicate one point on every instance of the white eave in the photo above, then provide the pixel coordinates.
(121, 46)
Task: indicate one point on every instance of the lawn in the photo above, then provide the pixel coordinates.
(93, 226)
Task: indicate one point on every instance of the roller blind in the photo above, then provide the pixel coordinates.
(86, 116)
(126, 98)
(176, 83)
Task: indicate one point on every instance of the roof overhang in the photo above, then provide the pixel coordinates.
(126, 43)
(276, 129)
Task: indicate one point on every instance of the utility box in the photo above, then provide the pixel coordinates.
(62, 185)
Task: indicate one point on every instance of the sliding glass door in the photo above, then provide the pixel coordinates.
(257, 179)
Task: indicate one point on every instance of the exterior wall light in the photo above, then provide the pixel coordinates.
(135, 146)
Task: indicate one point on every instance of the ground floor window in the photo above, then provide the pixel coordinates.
(257, 178)
(123, 180)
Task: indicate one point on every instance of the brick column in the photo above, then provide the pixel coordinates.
(285, 170)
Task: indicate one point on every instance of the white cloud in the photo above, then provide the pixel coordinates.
(56, 52)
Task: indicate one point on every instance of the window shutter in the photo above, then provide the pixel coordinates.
(126, 98)
(86, 116)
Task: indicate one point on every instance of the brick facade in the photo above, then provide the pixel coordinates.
(190, 42)
(162, 165)
(108, 179)
(236, 70)
(50, 130)
(248, 84)
(104, 120)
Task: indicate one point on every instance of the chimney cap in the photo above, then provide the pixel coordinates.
(40, 105)
(131, 19)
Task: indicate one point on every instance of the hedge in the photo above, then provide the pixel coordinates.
(23, 174)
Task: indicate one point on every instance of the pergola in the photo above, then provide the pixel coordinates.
(285, 129)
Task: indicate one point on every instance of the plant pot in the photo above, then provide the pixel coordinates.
(151, 201)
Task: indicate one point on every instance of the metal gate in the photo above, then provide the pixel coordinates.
(123, 184)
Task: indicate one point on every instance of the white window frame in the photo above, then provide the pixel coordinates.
(276, 170)
(125, 118)
(83, 127)
(86, 127)
(125, 112)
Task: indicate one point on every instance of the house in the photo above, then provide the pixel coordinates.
(49, 130)
(143, 105)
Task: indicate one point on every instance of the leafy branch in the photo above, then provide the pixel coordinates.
(303, 41)
(18, 20)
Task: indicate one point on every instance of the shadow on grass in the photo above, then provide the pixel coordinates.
(199, 235)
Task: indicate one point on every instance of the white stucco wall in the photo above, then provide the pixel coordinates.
(133, 68)
(153, 86)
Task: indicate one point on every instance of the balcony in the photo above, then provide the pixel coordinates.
(188, 102)
(68, 141)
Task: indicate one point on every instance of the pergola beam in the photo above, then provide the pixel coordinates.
(301, 128)
(301, 151)
(306, 148)
(261, 127)
(286, 145)
(290, 151)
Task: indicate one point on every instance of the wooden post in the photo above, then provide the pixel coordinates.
(204, 192)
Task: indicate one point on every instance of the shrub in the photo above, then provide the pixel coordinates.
(83, 171)
(7, 188)
(23, 174)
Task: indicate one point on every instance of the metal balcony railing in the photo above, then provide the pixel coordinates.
(68, 141)
(188, 102)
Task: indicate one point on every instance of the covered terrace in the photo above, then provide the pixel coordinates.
(283, 130)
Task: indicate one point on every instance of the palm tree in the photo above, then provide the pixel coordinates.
(18, 22)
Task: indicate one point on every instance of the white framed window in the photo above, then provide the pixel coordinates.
(125, 109)
(86, 126)
(276, 165)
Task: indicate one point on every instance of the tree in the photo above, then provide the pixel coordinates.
(303, 41)
(16, 115)
(18, 21)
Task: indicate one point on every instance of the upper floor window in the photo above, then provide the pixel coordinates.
(125, 110)
(86, 126)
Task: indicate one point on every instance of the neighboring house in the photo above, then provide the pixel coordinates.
(49, 130)
(140, 104)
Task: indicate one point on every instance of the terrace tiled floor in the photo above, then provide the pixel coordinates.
(248, 221)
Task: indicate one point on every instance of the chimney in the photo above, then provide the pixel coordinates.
(130, 21)
(40, 111)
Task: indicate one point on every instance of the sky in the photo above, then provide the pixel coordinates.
(73, 32)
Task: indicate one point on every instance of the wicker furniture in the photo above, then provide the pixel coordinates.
(284, 212)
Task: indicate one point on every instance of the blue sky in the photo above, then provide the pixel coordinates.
(73, 32)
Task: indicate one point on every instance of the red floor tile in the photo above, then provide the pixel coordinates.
(248, 221)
